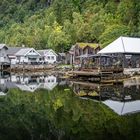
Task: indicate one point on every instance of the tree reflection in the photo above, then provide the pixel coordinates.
(59, 114)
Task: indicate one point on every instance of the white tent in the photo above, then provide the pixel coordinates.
(122, 45)
(123, 108)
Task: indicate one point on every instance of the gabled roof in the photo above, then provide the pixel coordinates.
(50, 86)
(42, 52)
(29, 87)
(83, 45)
(50, 50)
(13, 50)
(25, 51)
(2, 46)
(123, 45)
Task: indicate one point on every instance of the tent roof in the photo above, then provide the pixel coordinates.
(123, 108)
(123, 45)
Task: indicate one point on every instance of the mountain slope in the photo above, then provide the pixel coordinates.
(58, 24)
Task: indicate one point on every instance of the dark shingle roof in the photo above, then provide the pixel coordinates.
(13, 50)
(23, 51)
(41, 52)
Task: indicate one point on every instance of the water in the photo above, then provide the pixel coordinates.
(48, 107)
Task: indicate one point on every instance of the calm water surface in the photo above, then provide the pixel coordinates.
(48, 107)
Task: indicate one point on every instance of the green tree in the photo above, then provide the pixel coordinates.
(113, 32)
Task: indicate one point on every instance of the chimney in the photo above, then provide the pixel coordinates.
(23, 46)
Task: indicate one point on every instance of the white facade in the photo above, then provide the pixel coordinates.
(27, 55)
(29, 83)
(49, 56)
(21, 59)
(24, 55)
(13, 60)
(30, 56)
(50, 82)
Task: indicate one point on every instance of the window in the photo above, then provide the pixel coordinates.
(52, 57)
(31, 51)
(48, 57)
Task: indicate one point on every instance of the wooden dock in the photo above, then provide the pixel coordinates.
(99, 75)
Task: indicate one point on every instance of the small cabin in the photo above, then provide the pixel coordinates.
(81, 49)
(48, 56)
(23, 55)
(28, 56)
(50, 82)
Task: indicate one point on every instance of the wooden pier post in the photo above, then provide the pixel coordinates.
(1, 67)
(23, 67)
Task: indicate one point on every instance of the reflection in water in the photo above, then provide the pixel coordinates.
(54, 112)
(123, 98)
(28, 82)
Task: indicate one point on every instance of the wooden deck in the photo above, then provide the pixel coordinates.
(97, 75)
(85, 73)
(96, 72)
(89, 84)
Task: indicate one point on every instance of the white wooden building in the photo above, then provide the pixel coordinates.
(48, 56)
(23, 55)
(50, 82)
(32, 83)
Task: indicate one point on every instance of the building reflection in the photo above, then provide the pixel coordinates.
(123, 98)
(27, 82)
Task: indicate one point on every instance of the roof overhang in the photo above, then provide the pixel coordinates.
(34, 51)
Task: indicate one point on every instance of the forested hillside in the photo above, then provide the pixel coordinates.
(58, 24)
